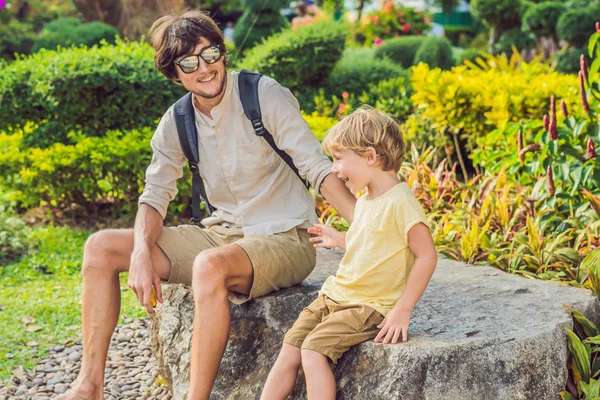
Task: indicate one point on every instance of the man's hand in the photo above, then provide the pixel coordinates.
(394, 324)
(327, 236)
(143, 279)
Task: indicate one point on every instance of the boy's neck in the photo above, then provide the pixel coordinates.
(381, 184)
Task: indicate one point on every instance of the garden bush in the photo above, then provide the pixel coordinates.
(93, 173)
(356, 74)
(541, 19)
(253, 26)
(515, 37)
(391, 21)
(470, 102)
(56, 90)
(435, 52)
(574, 25)
(499, 15)
(402, 50)
(13, 237)
(66, 32)
(15, 37)
(301, 58)
(470, 54)
(567, 60)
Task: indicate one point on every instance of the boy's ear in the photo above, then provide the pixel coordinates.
(371, 155)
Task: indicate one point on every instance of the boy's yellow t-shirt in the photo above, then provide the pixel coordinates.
(375, 268)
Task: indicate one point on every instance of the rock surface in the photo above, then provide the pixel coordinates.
(477, 333)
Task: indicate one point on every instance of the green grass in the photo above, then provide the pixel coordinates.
(52, 301)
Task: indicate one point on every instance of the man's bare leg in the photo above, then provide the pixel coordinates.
(216, 271)
(107, 253)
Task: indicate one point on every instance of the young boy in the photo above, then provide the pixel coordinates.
(390, 257)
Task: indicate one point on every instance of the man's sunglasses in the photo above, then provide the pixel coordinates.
(190, 64)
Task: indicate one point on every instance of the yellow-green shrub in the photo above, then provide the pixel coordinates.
(319, 124)
(471, 101)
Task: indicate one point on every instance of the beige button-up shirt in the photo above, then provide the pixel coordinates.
(246, 181)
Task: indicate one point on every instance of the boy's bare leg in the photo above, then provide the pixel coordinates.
(107, 253)
(216, 271)
(320, 382)
(282, 377)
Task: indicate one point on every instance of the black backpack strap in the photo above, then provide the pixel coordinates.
(188, 138)
(248, 85)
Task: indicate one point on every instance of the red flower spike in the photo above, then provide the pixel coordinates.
(563, 108)
(551, 187)
(591, 150)
(583, 67)
(582, 95)
(520, 145)
(598, 27)
(546, 122)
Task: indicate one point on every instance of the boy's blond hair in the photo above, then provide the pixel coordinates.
(368, 127)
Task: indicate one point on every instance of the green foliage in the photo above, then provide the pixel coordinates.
(355, 73)
(16, 37)
(576, 25)
(301, 58)
(436, 52)
(13, 237)
(90, 174)
(472, 100)
(470, 54)
(67, 32)
(541, 19)
(402, 50)
(391, 21)
(253, 26)
(496, 12)
(515, 37)
(567, 60)
(319, 124)
(56, 90)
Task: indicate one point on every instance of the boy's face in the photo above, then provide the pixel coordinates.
(351, 168)
(208, 81)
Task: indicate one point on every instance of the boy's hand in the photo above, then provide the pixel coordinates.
(394, 324)
(326, 236)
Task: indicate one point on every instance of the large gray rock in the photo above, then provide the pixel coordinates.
(477, 333)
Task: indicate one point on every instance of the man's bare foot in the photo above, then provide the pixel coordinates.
(83, 390)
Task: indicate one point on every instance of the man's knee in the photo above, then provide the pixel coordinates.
(102, 252)
(209, 274)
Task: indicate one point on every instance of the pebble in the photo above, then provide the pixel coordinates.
(131, 370)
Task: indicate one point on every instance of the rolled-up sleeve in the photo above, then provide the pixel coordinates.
(165, 168)
(282, 118)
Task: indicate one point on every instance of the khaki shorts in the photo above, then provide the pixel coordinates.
(279, 261)
(330, 328)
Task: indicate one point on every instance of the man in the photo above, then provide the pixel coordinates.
(256, 240)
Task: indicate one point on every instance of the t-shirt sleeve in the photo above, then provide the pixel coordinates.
(409, 213)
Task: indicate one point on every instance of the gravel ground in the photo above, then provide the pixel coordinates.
(131, 369)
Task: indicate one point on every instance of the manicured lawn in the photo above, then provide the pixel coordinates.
(42, 310)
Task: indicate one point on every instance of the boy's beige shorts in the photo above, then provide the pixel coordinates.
(331, 329)
(279, 261)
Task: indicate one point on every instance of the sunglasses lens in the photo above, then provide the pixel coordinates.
(189, 64)
(211, 55)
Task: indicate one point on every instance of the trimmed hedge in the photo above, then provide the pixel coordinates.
(541, 19)
(436, 52)
(355, 73)
(67, 32)
(575, 26)
(567, 60)
(251, 28)
(117, 87)
(15, 37)
(300, 58)
(401, 50)
(517, 38)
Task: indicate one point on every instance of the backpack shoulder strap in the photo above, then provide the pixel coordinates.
(248, 86)
(185, 121)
